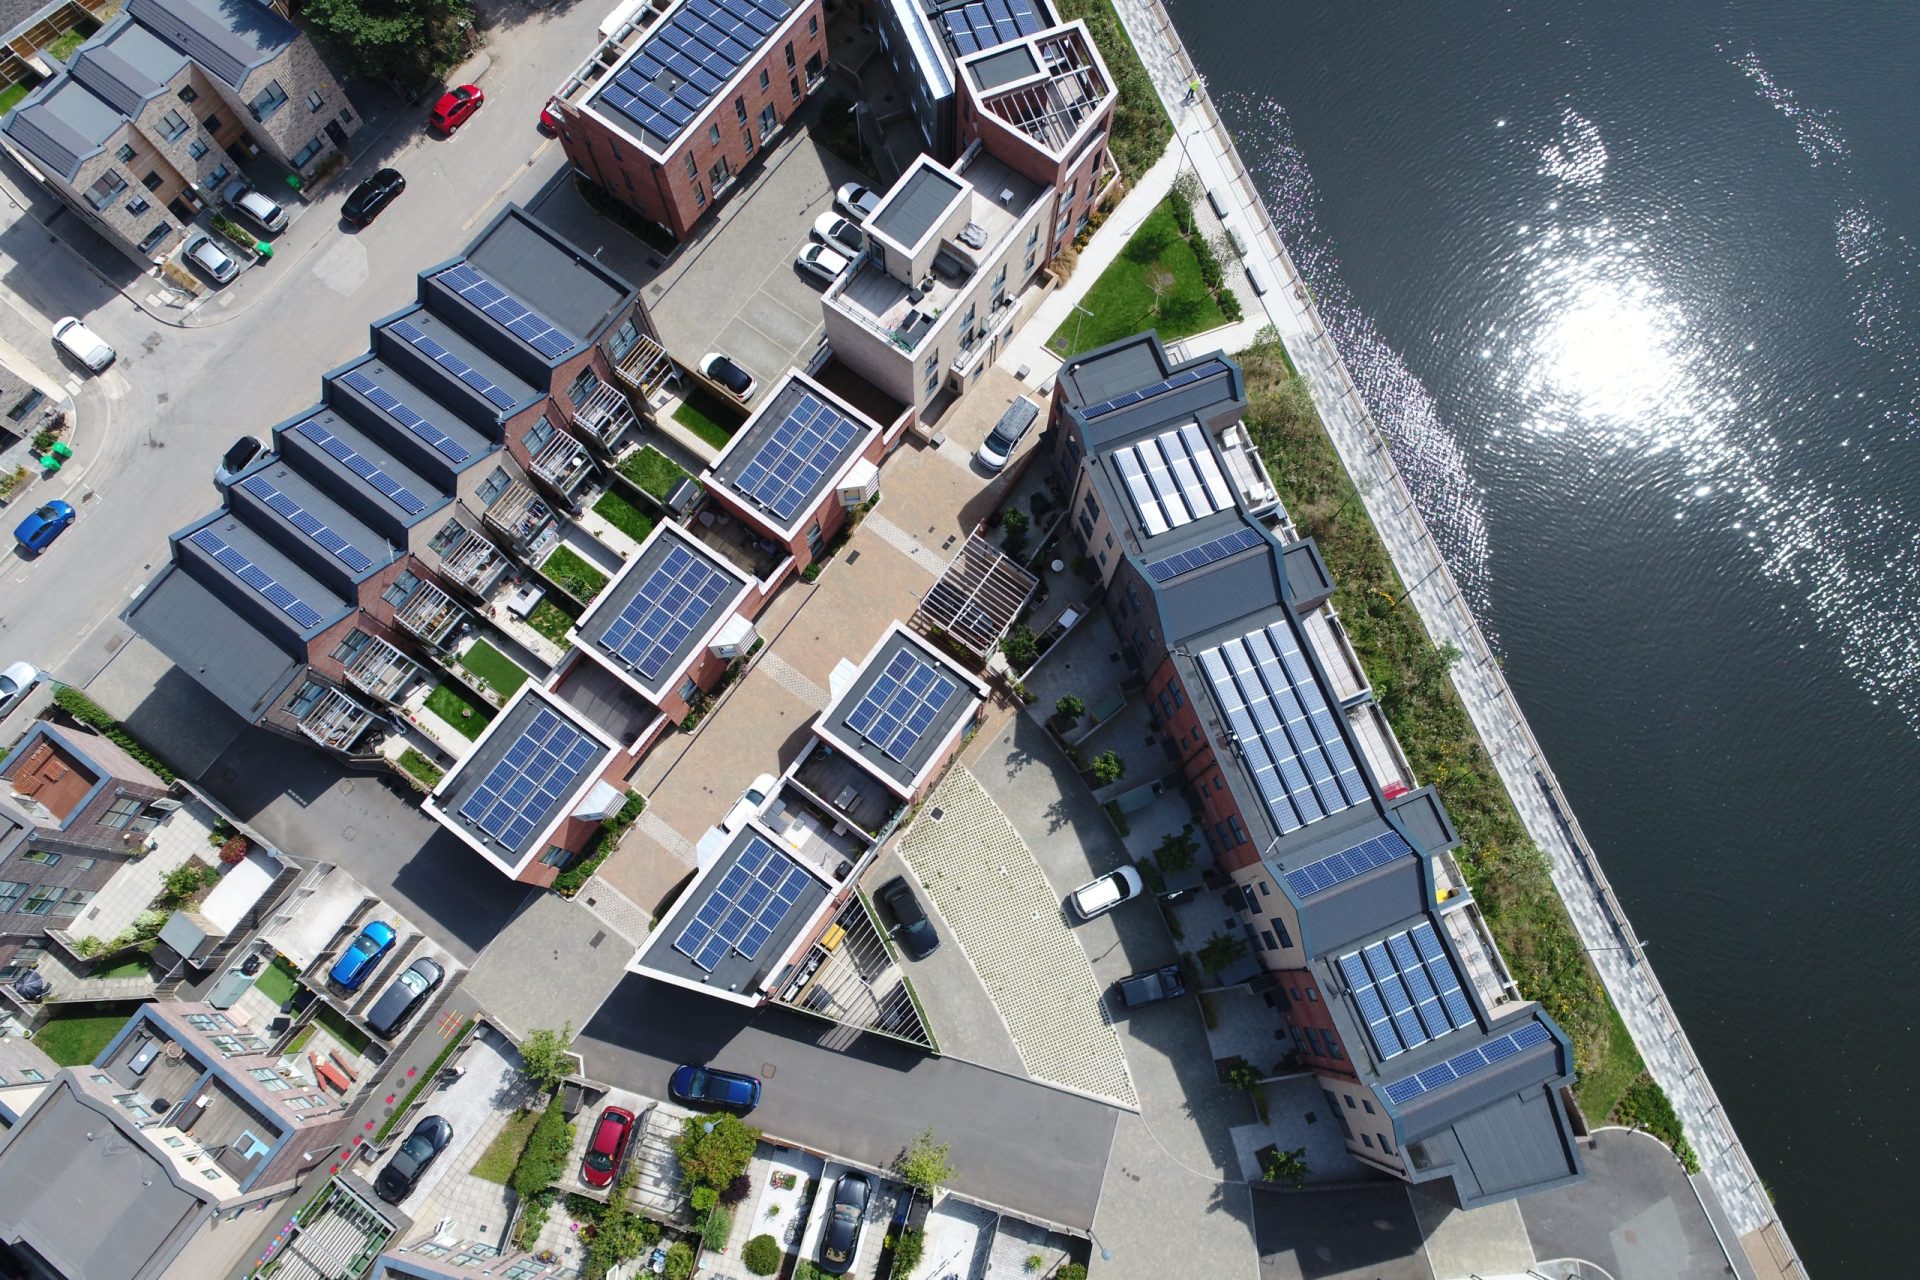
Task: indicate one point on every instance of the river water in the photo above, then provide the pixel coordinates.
(1632, 286)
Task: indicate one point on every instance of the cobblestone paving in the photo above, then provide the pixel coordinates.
(924, 556)
(788, 677)
(616, 910)
(665, 836)
(1007, 919)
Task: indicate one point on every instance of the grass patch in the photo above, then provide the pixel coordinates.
(300, 1039)
(278, 981)
(1122, 301)
(652, 471)
(63, 48)
(1141, 129)
(11, 95)
(449, 703)
(422, 768)
(125, 969)
(551, 621)
(76, 1040)
(574, 575)
(427, 1077)
(345, 1032)
(503, 1153)
(502, 673)
(1611, 1074)
(624, 516)
(703, 414)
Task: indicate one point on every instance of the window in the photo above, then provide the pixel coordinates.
(314, 101)
(556, 856)
(122, 811)
(789, 55)
(40, 901)
(403, 584)
(152, 181)
(699, 195)
(933, 371)
(1266, 936)
(10, 891)
(1368, 1139)
(1386, 1145)
(32, 1075)
(28, 403)
(1348, 1099)
(218, 176)
(815, 542)
(720, 175)
(133, 1103)
(966, 324)
(124, 154)
(1295, 993)
(1179, 695)
(1092, 507)
(1280, 927)
(153, 238)
(305, 699)
(1366, 1106)
(766, 80)
(693, 166)
(583, 386)
(212, 123)
(1265, 889)
(304, 156)
(174, 125)
(41, 856)
(1000, 286)
(623, 340)
(793, 83)
(107, 189)
(303, 1103)
(537, 435)
(813, 25)
(1239, 832)
(1313, 995)
(815, 68)
(713, 134)
(740, 109)
(1109, 542)
(689, 690)
(351, 644)
(345, 117)
(491, 489)
(270, 100)
(24, 959)
(746, 139)
(188, 94)
(209, 1022)
(197, 149)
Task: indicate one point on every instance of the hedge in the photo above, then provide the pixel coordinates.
(94, 716)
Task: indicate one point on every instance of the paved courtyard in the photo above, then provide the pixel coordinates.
(477, 1105)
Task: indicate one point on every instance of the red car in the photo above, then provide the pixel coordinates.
(455, 108)
(610, 1138)
(550, 116)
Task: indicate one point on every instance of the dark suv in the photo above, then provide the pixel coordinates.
(841, 1240)
(916, 931)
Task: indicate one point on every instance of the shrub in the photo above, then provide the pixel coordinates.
(1229, 304)
(1069, 708)
(762, 1255)
(1289, 1167)
(235, 849)
(1107, 767)
(545, 1158)
(1221, 950)
(94, 716)
(1016, 521)
(533, 1220)
(180, 884)
(1183, 195)
(605, 840)
(716, 1229)
(737, 1191)
(925, 1163)
(652, 472)
(1176, 853)
(1035, 1262)
(704, 1198)
(573, 575)
(712, 1158)
(420, 767)
(1021, 647)
(544, 1059)
(908, 1249)
(1071, 1271)
(679, 1260)
(619, 1234)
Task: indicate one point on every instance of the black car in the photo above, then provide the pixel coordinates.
(916, 931)
(397, 1003)
(841, 1240)
(371, 196)
(235, 459)
(416, 1155)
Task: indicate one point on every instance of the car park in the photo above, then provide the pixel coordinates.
(840, 1241)
(725, 371)
(83, 344)
(455, 107)
(14, 683)
(714, 1089)
(1007, 433)
(1101, 896)
(1151, 986)
(837, 233)
(607, 1146)
(397, 1003)
(256, 208)
(239, 455)
(416, 1155)
(916, 932)
(362, 956)
(371, 196)
(42, 525)
(820, 262)
(856, 201)
(211, 260)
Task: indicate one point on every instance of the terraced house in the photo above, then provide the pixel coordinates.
(1436, 1067)
(166, 103)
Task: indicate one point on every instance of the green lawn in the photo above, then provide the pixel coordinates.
(63, 48)
(76, 1040)
(551, 621)
(496, 668)
(420, 767)
(11, 95)
(653, 471)
(1610, 1074)
(342, 1030)
(504, 1151)
(705, 416)
(278, 982)
(448, 702)
(1122, 302)
(125, 969)
(624, 516)
(574, 575)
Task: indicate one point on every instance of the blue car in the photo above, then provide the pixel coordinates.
(714, 1090)
(363, 957)
(37, 532)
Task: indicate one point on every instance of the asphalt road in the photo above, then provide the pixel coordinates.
(1032, 1148)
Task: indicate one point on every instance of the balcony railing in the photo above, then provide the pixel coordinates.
(644, 368)
(336, 721)
(563, 462)
(970, 357)
(430, 613)
(1248, 471)
(474, 564)
(382, 670)
(522, 517)
(605, 417)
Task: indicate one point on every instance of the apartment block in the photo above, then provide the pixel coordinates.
(163, 106)
(925, 40)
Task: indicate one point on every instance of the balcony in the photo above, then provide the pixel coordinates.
(526, 521)
(336, 721)
(430, 613)
(1382, 750)
(563, 462)
(473, 564)
(1335, 651)
(382, 670)
(971, 357)
(1248, 471)
(1478, 954)
(644, 369)
(606, 415)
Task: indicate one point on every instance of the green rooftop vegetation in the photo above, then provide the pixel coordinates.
(551, 621)
(624, 516)
(574, 575)
(652, 471)
(502, 673)
(464, 711)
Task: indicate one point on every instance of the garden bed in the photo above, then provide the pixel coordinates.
(624, 516)
(569, 571)
(652, 472)
(708, 417)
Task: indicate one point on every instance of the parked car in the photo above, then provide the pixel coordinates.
(837, 233)
(856, 201)
(550, 116)
(371, 196)
(1151, 987)
(363, 955)
(609, 1144)
(820, 262)
(841, 1239)
(455, 108)
(42, 525)
(397, 1003)
(916, 931)
(723, 370)
(14, 683)
(238, 457)
(1103, 895)
(751, 801)
(715, 1089)
(211, 260)
(416, 1155)
(256, 208)
(83, 344)
(1007, 434)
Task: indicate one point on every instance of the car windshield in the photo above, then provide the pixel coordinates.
(46, 513)
(414, 981)
(364, 945)
(416, 1147)
(599, 1161)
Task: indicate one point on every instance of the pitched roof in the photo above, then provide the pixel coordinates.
(228, 38)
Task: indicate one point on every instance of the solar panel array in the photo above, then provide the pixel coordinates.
(542, 765)
(1171, 567)
(304, 615)
(516, 317)
(1173, 478)
(407, 416)
(901, 705)
(783, 471)
(1288, 737)
(685, 62)
(664, 611)
(308, 523)
(345, 454)
(1407, 990)
(743, 910)
(987, 24)
(1461, 1065)
(411, 334)
(1184, 378)
(1318, 877)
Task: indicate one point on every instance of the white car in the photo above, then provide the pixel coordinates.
(726, 371)
(820, 262)
(14, 683)
(256, 208)
(838, 234)
(749, 804)
(1106, 893)
(856, 201)
(83, 344)
(210, 258)
(1007, 433)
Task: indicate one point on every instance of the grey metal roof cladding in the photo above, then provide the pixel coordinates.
(1108, 371)
(335, 477)
(915, 207)
(607, 701)
(419, 366)
(234, 660)
(468, 776)
(1131, 364)
(242, 587)
(1198, 603)
(274, 521)
(227, 37)
(417, 447)
(957, 709)
(549, 273)
(127, 65)
(62, 124)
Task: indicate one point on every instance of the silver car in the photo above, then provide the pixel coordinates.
(256, 208)
(216, 263)
(822, 263)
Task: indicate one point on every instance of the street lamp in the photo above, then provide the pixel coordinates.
(1083, 314)
(1106, 1254)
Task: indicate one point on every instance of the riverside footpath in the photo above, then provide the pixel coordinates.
(1203, 143)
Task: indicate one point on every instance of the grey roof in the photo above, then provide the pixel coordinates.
(550, 273)
(252, 598)
(957, 709)
(62, 124)
(1424, 820)
(127, 65)
(671, 76)
(1106, 372)
(501, 737)
(234, 660)
(916, 205)
(271, 518)
(227, 37)
(733, 972)
(1308, 578)
(607, 701)
(1354, 908)
(767, 424)
(1212, 386)
(444, 381)
(638, 575)
(1202, 602)
(337, 478)
(972, 25)
(18, 1055)
(424, 457)
(1003, 67)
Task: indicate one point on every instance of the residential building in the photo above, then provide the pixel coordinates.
(157, 1162)
(1357, 918)
(925, 40)
(681, 97)
(25, 1071)
(156, 112)
(437, 470)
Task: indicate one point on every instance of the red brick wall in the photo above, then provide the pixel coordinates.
(320, 651)
(1310, 1010)
(1202, 769)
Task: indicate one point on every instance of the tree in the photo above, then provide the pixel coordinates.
(925, 1163)
(714, 1150)
(397, 39)
(180, 884)
(1160, 281)
(1069, 708)
(619, 1234)
(1021, 648)
(1107, 767)
(1176, 853)
(1221, 950)
(679, 1260)
(544, 1059)
(1289, 1167)
(762, 1255)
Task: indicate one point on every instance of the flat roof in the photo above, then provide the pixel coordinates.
(260, 578)
(974, 25)
(549, 273)
(420, 424)
(793, 449)
(902, 709)
(670, 78)
(1004, 66)
(227, 37)
(917, 204)
(352, 461)
(309, 523)
(660, 609)
(621, 711)
(200, 633)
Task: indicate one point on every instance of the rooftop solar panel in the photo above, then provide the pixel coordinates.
(901, 705)
(308, 523)
(1463, 1064)
(666, 608)
(745, 908)
(1405, 996)
(1184, 378)
(1173, 478)
(304, 615)
(414, 421)
(784, 472)
(414, 336)
(404, 498)
(683, 62)
(1338, 868)
(516, 317)
(1171, 567)
(536, 770)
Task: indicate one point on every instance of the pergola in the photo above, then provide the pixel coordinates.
(978, 597)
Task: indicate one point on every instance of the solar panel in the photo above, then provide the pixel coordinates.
(430, 347)
(535, 771)
(988, 24)
(308, 523)
(791, 461)
(1184, 378)
(745, 908)
(412, 419)
(1338, 868)
(516, 317)
(666, 608)
(685, 60)
(901, 705)
(404, 498)
(1173, 478)
(1171, 567)
(1405, 995)
(1463, 1064)
(304, 615)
